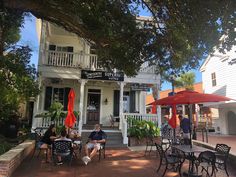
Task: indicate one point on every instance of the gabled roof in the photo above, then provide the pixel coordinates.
(209, 57)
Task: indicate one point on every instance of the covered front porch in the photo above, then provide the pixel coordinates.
(96, 101)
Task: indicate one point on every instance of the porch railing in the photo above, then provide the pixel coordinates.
(124, 124)
(44, 123)
(70, 59)
(149, 117)
(81, 60)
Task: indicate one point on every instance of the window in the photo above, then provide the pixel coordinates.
(56, 94)
(61, 48)
(213, 79)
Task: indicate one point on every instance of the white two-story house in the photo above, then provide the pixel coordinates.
(67, 61)
(218, 77)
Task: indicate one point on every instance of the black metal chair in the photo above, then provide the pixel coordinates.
(206, 160)
(37, 136)
(222, 154)
(102, 151)
(62, 148)
(167, 137)
(170, 162)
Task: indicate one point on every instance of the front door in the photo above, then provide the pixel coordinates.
(93, 106)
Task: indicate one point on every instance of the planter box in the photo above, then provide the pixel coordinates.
(133, 141)
(10, 160)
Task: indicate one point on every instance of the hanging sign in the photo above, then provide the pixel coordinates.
(102, 75)
(140, 87)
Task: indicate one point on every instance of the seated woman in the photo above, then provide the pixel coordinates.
(47, 139)
(94, 144)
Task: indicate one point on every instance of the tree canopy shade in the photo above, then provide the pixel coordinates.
(179, 34)
(17, 76)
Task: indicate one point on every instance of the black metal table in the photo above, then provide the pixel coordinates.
(190, 150)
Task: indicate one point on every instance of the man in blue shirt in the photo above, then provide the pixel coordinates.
(94, 143)
(185, 127)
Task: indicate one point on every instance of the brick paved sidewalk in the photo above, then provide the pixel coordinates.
(213, 139)
(118, 163)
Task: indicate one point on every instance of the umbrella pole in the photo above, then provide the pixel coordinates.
(190, 122)
(174, 133)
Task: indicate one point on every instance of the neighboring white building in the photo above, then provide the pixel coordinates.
(219, 77)
(67, 61)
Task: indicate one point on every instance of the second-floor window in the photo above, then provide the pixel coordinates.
(61, 48)
(213, 79)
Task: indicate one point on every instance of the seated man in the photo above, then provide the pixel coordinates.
(64, 138)
(94, 144)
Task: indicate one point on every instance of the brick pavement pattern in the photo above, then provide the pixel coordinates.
(118, 163)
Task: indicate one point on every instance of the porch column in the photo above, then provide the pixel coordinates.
(122, 84)
(36, 105)
(81, 105)
(158, 107)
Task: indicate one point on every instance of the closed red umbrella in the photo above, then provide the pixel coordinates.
(70, 118)
(190, 97)
(172, 121)
(154, 109)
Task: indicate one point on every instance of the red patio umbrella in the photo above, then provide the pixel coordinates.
(70, 118)
(190, 97)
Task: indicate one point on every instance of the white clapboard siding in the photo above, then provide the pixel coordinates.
(225, 74)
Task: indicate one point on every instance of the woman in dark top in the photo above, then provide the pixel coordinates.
(47, 139)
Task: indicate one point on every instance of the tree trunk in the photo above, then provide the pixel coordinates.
(1, 41)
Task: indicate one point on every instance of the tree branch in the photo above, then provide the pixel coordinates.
(50, 12)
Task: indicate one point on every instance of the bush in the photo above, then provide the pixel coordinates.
(142, 128)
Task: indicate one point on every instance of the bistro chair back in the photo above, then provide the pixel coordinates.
(170, 162)
(166, 136)
(62, 148)
(222, 154)
(206, 160)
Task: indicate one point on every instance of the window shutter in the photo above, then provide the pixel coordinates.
(48, 98)
(66, 93)
(52, 47)
(132, 101)
(116, 104)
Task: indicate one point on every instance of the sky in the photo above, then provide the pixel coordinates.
(29, 37)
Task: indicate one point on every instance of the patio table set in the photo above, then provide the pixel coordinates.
(68, 149)
(174, 155)
(208, 160)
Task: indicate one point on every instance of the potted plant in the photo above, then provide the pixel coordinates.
(140, 130)
(55, 113)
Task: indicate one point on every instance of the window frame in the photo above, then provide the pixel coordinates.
(213, 79)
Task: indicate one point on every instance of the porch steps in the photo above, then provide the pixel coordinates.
(114, 137)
